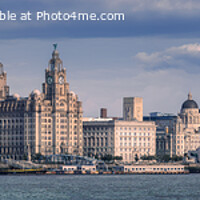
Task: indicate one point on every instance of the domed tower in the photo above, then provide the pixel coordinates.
(4, 89)
(189, 103)
(190, 113)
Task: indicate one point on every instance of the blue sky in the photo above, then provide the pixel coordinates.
(154, 53)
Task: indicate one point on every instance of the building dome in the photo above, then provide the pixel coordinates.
(190, 103)
(35, 92)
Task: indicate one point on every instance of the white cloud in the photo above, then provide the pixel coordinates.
(101, 71)
(155, 5)
(173, 57)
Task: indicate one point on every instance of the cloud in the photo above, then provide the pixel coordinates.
(158, 6)
(101, 71)
(168, 18)
(185, 57)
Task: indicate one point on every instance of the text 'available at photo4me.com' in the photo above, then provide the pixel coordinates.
(60, 16)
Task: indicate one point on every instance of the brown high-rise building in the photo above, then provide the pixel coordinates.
(103, 113)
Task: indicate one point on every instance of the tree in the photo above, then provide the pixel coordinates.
(37, 156)
(107, 157)
(177, 158)
(166, 158)
(118, 158)
(148, 157)
(136, 157)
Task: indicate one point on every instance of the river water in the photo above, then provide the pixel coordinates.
(100, 187)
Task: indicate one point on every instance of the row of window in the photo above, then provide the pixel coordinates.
(97, 133)
(8, 121)
(134, 128)
(135, 144)
(154, 169)
(11, 132)
(136, 134)
(136, 138)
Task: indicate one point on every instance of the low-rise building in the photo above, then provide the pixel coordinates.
(161, 168)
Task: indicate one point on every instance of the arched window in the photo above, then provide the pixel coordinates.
(62, 105)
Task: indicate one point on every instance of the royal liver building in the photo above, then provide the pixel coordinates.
(48, 123)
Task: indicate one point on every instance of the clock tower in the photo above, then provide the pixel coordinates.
(55, 86)
(65, 111)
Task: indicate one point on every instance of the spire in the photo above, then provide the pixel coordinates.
(55, 46)
(55, 54)
(189, 96)
(55, 63)
(1, 68)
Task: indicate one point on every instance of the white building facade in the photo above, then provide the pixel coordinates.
(127, 139)
(186, 133)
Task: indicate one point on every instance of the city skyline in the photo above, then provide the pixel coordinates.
(106, 89)
(75, 87)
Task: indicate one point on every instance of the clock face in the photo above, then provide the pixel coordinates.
(61, 80)
(49, 80)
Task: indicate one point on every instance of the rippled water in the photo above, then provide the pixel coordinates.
(108, 187)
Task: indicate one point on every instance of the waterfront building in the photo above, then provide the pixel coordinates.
(98, 136)
(47, 122)
(186, 133)
(183, 130)
(154, 169)
(128, 139)
(134, 139)
(163, 142)
(164, 130)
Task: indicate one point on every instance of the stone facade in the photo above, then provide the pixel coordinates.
(4, 89)
(98, 135)
(164, 133)
(134, 138)
(183, 133)
(133, 108)
(163, 142)
(186, 133)
(119, 138)
(48, 123)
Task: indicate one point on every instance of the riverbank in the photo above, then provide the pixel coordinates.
(161, 168)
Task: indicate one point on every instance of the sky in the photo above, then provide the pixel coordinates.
(154, 53)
